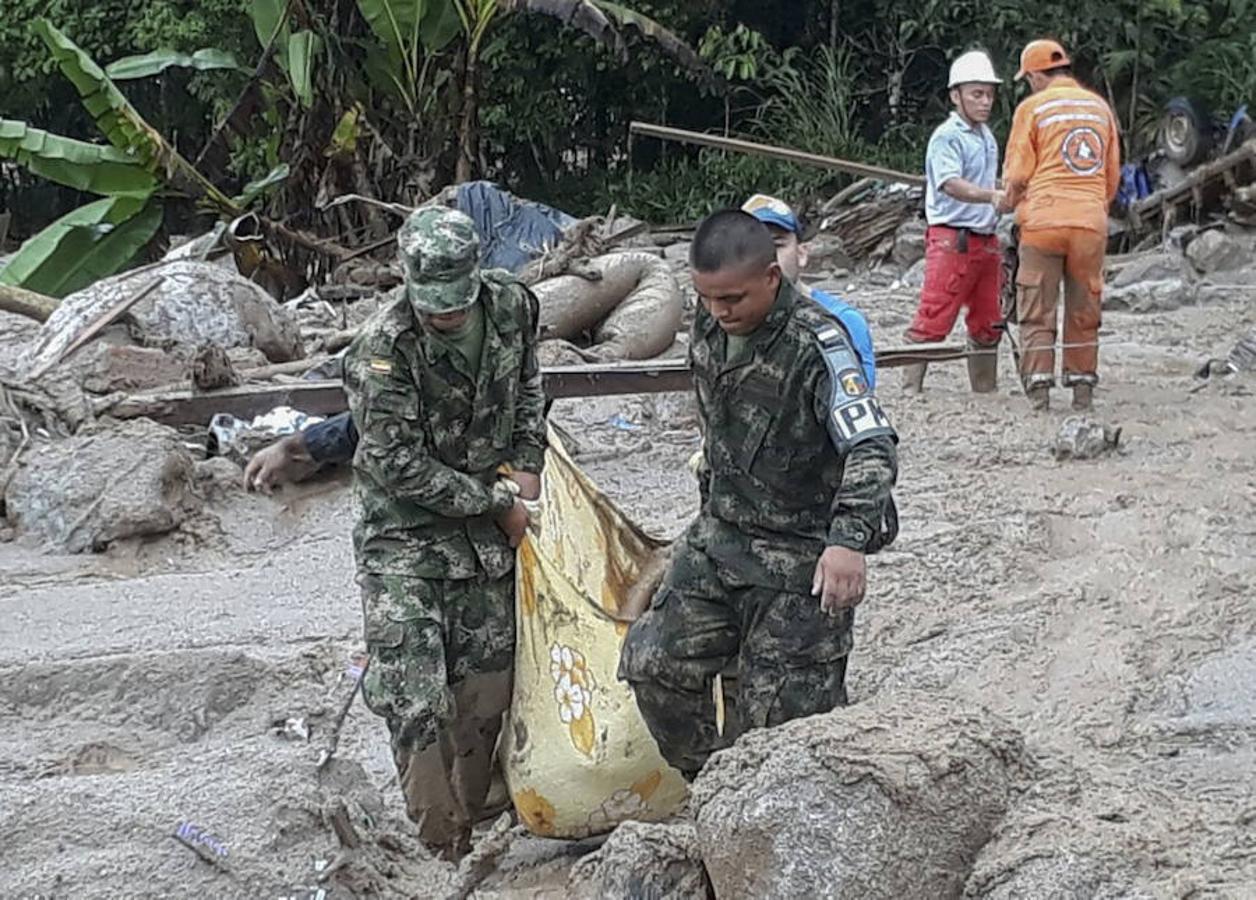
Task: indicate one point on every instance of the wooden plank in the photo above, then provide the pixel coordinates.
(863, 170)
(325, 398)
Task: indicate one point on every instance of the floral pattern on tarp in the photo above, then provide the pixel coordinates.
(573, 692)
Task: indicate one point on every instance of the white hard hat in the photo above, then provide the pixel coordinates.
(973, 67)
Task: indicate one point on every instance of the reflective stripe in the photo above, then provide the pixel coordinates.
(1053, 104)
(1072, 117)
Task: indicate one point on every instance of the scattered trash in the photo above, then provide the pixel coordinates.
(293, 729)
(355, 671)
(618, 421)
(355, 667)
(1241, 359)
(1083, 438)
(239, 440)
(204, 844)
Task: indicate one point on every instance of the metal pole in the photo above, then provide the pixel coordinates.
(863, 170)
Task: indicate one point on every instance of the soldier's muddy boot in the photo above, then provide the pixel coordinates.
(1083, 397)
(1039, 397)
(914, 378)
(983, 368)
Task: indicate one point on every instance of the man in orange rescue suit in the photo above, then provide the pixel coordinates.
(1063, 169)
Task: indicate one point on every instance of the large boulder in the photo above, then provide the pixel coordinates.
(890, 799)
(1216, 251)
(1153, 267)
(110, 481)
(642, 860)
(1150, 296)
(195, 303)
(909, 243)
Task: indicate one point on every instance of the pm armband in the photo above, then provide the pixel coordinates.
(854, 414)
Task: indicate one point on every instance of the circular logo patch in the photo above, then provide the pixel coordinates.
(1082, 150)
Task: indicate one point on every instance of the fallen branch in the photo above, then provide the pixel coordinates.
(27, 303)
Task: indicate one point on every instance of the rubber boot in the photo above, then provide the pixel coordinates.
(983, 369)
(1083, 397)
(914, 378)
(1039, 397)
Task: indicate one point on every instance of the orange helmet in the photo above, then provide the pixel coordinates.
(1039, 56)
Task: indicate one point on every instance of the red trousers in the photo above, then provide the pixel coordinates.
(955, 279)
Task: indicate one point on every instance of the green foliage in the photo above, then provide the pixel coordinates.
(86, 167)
(156, 62)
(125, 128)
(90, 243)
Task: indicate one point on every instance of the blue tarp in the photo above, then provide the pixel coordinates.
(513, 232)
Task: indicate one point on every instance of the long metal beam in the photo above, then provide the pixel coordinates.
(645, 129)
(324, 398)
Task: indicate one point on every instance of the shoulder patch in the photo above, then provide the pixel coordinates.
(854, 413)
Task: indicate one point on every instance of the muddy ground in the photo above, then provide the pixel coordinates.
(1105, 608)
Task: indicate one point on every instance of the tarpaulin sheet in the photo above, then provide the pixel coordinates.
(577, 755)
(513, 232)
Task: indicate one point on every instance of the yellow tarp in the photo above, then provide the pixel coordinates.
(577, 756)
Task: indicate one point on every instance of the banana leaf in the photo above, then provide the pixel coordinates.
(95, 168)
(83, 246)
(255, 189)
(268, 17)
(303, 47)
(125, 128)
(158, 61)
(440, 25)
(673, 45)
(396, 22)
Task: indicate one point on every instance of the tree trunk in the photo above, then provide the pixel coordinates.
(469, 127)
(27, 303)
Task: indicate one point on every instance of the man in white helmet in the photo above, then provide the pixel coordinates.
(963, 265)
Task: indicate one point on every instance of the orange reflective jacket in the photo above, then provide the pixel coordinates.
(1063, 159)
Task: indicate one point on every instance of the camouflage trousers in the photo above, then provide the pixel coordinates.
(779, 657)
(440, 673)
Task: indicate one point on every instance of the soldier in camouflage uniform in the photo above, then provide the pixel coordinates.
(445, 392)
(798, 465)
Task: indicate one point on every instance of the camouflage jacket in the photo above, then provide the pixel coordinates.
(433, 436)
(777, 487)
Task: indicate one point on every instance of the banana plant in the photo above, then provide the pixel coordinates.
(411, 32)
(295, 52)
(100, 238)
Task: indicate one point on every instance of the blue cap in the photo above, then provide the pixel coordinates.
(771, 211)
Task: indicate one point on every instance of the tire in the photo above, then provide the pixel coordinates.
(1185, 135)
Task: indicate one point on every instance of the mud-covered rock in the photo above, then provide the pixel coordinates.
(909, 243)
(914, 278)
(1216, 251)
(1154, 267)
(1080, 438)
(889, 799)
(1069, 838)
(195, 303)
(1150, 296)
(642, 860)
(103, 367)
(109, 481)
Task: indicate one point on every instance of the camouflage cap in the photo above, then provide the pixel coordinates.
(441, 254)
